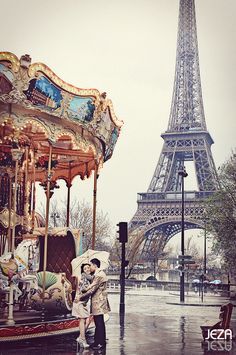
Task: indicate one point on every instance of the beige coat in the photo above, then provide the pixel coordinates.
(98, 292)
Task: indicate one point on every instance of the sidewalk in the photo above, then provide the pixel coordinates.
(208, 300)
(172, 297)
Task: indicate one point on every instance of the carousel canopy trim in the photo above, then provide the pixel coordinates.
(57, 232)
(41, 93)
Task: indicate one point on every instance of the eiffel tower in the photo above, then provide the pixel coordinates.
(159, 209)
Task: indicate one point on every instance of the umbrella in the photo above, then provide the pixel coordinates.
(102, 256)
(195, 281)
(215, 282)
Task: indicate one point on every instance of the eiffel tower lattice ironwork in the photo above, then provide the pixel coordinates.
(186, 139)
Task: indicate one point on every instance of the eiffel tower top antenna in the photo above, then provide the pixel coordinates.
(187, 110)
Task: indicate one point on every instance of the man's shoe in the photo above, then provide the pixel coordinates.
(99, 347)
(92, 345)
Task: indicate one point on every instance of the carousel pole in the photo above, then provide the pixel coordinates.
(68, 205)
(46, 227)
(34, 194)
(94, 204)
(14, 207)
(16, 156)
(9, 209)
(26, 200)
(68, 184)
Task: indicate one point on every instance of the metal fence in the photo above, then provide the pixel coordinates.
(166, 285)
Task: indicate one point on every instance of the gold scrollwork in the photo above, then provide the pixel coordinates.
(116, 121)
(12, 58)
(40, 67)
(4, 218)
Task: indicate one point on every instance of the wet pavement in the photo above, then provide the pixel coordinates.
(152, 325)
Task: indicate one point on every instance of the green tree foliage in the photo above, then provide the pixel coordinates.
(221, 215)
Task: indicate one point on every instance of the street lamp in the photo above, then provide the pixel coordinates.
(204, 268)
(183, 174)
(55, 216)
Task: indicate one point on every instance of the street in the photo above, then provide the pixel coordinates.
(152, 325)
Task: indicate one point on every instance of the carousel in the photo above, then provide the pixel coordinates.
(49, 130)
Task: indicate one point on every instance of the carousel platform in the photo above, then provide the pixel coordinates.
(30, 316)
(31, 324)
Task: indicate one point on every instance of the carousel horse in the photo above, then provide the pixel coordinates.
(18, 263)
(8, 273)
(9, 266)
(14, 268)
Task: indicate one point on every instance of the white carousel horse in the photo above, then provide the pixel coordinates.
(15, 268)
(25, 258)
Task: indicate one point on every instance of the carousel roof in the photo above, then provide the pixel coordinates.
(39, 110)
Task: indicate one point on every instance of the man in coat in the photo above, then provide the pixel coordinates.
(99, 303)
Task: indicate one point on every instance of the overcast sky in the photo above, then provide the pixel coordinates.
(127, 48)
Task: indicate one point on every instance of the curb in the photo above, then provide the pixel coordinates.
(196, 304)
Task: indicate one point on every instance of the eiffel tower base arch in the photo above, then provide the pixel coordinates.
(159, 218)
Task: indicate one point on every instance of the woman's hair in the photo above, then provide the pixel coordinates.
(82, 267)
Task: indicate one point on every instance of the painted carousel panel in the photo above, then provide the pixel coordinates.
(82, 108)
(6, 79)
(4, 70)
(43, 93)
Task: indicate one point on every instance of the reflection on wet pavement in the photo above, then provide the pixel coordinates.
(150, 326)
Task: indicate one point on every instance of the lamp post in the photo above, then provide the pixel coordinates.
(183, 174)
(204, 267)
(55, 216)
(123, 239)
(96, 175)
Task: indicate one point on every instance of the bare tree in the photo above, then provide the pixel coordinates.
(134, 250)
(81, 217)
(193, 249)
